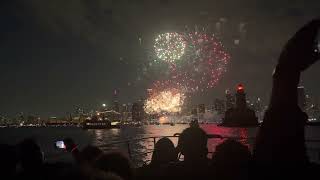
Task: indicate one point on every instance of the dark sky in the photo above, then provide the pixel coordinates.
(56, 55)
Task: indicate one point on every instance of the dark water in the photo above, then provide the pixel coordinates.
(47, 136)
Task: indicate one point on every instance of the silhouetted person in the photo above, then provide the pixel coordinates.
(85, 161)
(280, 143)
(8, 160)
(231, 160)
(163, 154)
(90, 154)
(194, 123)
(31, 159)
(115, 162)
(192, 144)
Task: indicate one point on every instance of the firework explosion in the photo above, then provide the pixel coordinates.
(169, 47)
(205, 62)
(203, 65)
(166, 101)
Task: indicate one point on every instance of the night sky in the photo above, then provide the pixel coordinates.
(56, 55)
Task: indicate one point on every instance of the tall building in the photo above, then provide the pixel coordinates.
(194, 111)
(229, 100)
(201, 108)
(258, 105)
(219, 106)
(115, 102)
(137, 111)
(241, 102)
(240, 115)
(125, 112)
(301, 98)
(115, 106)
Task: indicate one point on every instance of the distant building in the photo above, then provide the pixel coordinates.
(258, 105)
(314, 112)
(230, 100)
(125, 112)
(302, 98)
(201, 108)
(4, 120)
(124, 108)
(241, 102)
(219, 105)
(116, 106)
(115, 102)
(31, 119)
(194, 111)
(240, 115)
(137, 111)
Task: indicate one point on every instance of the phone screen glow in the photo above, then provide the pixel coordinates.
(60, 145)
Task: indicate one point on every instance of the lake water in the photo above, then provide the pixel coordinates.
(108, 139)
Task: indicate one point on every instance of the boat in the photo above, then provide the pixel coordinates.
(115, 124)
(96, 124)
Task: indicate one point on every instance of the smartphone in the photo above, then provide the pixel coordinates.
(60, 145)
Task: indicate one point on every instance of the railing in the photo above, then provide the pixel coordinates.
(134, 154)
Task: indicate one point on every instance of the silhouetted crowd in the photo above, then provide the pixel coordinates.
(26, 161)
(279, 150)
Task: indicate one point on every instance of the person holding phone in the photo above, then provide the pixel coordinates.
(280, 142)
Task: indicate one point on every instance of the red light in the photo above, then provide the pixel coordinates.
(240, 87)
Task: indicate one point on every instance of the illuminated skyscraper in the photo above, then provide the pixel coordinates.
(201, 108)
(219, 106)
(194, 111)
(137, 111)
(115, 102)
(302, 98)
(229, 100)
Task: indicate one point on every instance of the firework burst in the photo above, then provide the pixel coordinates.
(203, 65)
(169, 47)
(170, 100)
(191, 61)
(205, 62)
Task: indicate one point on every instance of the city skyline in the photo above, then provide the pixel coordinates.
(53, 58)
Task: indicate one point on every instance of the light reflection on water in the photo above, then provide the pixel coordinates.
(102, 137)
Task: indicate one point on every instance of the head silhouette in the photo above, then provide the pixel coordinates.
(115, 162)
(164, 152)
(231, 160)
(31, 157)
(193, 144)
(8, 159)
(89, 154)
(231, 153)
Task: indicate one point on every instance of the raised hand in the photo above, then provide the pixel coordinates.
(299, 52)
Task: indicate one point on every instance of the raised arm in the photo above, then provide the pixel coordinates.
(281, 137)
(297, 55)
